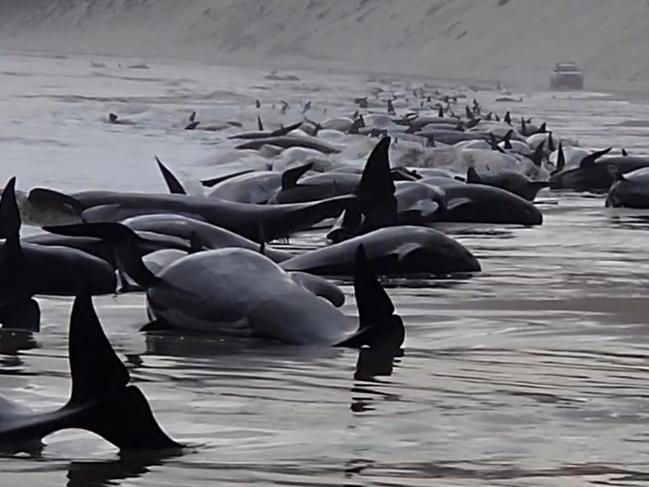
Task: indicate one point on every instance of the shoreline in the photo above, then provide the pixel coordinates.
(619, 89)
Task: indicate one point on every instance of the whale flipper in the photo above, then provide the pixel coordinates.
(379, 326)
(175, 186)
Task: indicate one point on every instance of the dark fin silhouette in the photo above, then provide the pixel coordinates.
(291, 176)
(551, 146)
(112, 118)
(472, 176)
(192, 116)
(543, 128)
(257, 104)
(124, 241)
(440, 112)
(358, 123)
(524, 127)
(473, 123)
(10, 221)
(375, 192)
(508, 139)
(95, 368)
(289, 128)
(561, 158)
(115, 411)
(590, 159)
(260, 124)
(537, 155)
(175, 186)
(376, 179)
(379, 326)
(489, 116)
(50, 197)
(391, 110)
(347, 227)
(17, 309)
(508, 118)
(496, 117)
(208, 183)
(624, 152)
(469, 113)
(21, 315)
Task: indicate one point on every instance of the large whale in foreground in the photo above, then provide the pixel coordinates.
(244, 219)
(398, 250)
(102, 401)
(235, 291)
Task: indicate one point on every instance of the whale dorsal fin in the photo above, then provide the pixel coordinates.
(590, 159)
(291, 176)
(288, 129)
(537, 155)
(95, 368)
(508, 139)
(173, 184)
(10, 221)
(508, 118)
(561, 158)
(379, 326)
(551, 146)
(119, 413)
(624, 152)
(472, 176)
(260, 124)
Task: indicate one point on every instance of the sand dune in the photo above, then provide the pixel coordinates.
(516, 41)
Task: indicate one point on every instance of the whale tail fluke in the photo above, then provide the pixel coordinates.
(114, 410)
(379, 326)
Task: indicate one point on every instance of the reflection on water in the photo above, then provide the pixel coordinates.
(533, 372)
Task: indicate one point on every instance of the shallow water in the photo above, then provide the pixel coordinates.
(532, 373)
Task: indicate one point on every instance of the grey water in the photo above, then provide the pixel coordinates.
(534, 372)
